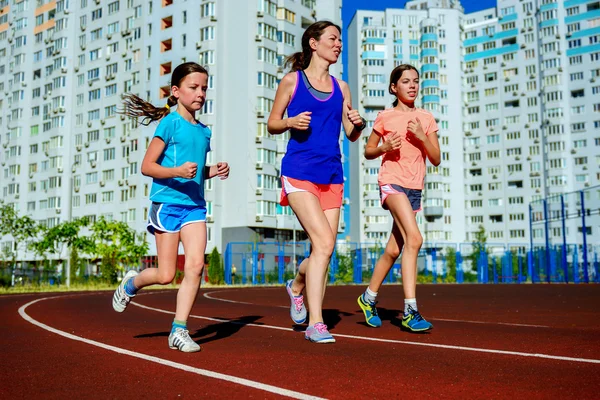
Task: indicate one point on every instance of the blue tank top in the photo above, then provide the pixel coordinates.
(314, 154)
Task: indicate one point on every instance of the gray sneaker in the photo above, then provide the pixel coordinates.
(297, 309)
(120, 298)
(180, 340)
(318, 333)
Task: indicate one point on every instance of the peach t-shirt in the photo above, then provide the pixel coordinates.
(406, 166)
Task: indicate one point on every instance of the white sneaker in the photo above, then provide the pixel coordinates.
(120, 298)
(180, 340)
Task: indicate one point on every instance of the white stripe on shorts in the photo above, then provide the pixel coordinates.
(289, 188)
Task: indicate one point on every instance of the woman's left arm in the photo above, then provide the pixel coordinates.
(353, 123)
(430, 142)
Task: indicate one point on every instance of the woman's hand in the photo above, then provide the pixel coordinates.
(299, 122)
(355, 118)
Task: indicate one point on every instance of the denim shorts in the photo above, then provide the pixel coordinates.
(414, 195)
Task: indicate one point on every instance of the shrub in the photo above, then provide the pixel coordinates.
(216, 272)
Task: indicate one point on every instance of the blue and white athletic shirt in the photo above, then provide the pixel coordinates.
(183, 142)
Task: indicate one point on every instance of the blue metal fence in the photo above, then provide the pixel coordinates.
(275, 262)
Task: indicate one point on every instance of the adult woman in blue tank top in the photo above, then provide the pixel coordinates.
(317, 105)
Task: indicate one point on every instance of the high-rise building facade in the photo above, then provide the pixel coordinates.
(515, 92)
(67, 152)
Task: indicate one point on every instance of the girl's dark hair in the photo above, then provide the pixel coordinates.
(134, 106)
(396, 75)
(301, 59)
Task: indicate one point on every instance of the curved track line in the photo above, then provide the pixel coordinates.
(406, 342)
(489, 323)
(208, 296)
(187, 368)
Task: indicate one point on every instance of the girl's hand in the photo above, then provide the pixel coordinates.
(299, 122)
(222, 170)
(391, 143)
(415, 129)
(354, 117)
(188, 170)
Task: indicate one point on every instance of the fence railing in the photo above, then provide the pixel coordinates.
(275, 262)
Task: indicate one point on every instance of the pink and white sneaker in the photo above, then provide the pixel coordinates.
(318, 333)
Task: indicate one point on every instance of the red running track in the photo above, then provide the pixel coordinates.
(500, 341)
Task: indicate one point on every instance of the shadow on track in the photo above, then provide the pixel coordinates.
(216, 331)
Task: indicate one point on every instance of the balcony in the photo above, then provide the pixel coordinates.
(432, 212)
(166, 23)
(164, 92)
(166, 45)
(165, 69)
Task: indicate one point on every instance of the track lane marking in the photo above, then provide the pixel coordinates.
(405, 342)
(161, 361)
(209, 295)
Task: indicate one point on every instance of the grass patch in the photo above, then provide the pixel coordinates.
(47, 288)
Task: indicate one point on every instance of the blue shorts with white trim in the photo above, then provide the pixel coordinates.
(171, 218)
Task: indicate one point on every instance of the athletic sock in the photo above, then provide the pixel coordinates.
(130, 288)
(408, 304)
(178, 324)
(370, 296)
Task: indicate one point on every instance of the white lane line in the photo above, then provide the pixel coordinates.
(210, 295)
(187, 368)
(489, 323)
(435, 345)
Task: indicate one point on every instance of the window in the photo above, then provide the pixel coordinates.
(489, 77)
(96, 14)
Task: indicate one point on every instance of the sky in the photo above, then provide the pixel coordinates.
(349, 7)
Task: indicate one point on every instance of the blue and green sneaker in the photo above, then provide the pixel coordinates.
(370, 311)
(414, 322)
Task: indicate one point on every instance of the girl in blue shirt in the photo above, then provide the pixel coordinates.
(176, 161)
(317, 105)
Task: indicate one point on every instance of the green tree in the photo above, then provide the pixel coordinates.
(216, 272)
(23, 230)
(345, 270)
(479, 248)
(451, 262)
(117, 245)
(66, 234)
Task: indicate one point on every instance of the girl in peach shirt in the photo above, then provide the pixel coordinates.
(405, 136)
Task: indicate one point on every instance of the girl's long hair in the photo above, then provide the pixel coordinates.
(300, 60)
(135, 106)
(396, 75)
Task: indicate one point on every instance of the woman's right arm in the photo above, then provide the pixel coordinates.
(276, 123)
(151, 168)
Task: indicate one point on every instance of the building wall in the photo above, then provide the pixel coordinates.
(152, 39)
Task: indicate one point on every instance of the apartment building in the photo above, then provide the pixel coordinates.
(68, 153)
(516, 99)
(531, 99)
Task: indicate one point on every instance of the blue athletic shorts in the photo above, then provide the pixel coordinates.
(414, 195)
(171, 218)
